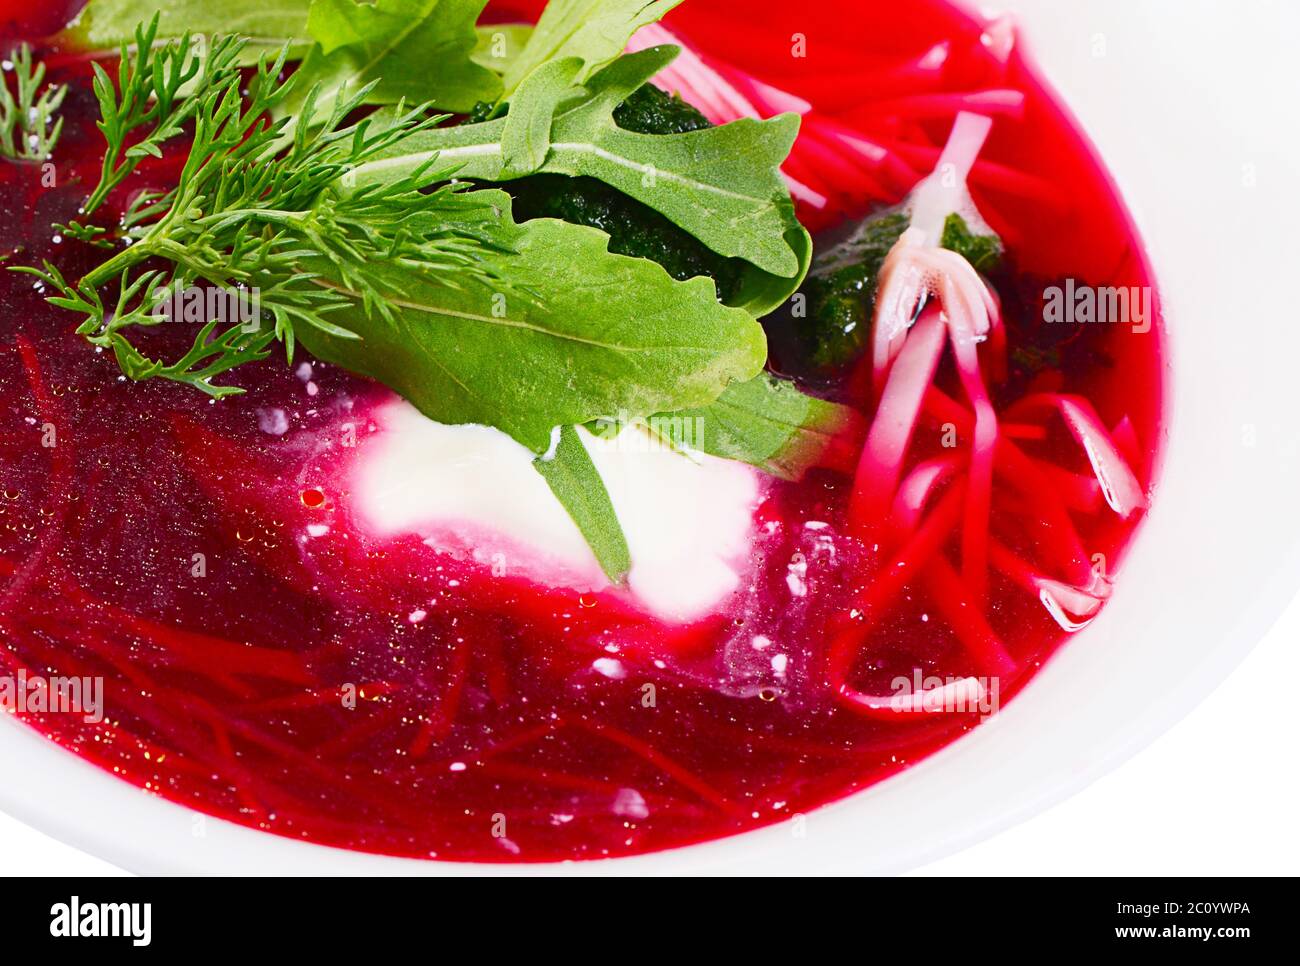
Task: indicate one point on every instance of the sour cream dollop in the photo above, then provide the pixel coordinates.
(688, 519)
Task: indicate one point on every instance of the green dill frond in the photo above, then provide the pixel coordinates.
(258, 207)
(29, 121)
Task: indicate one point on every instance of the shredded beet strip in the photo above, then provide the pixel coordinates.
(60, 480)
(979, 492)
(930, 701)
(987, 174)
(203, 653)
(518, 740)
(1023, 431)
(889, 167)
(878, 593)
(150, 702)
(842, 90)
(1058, 533)
(885, 743)
(530, 775)
(1119, 485)
(85, 620)
(1071, 607)
(770, 99)
(352, 737)
(1126, 440)
(801, 171)
(927, 107)
(1021, 571)
(659, 760)
(915, 491)
(243, 777)
(208, 655)
(1078, 492)
(854, 182)
(881, 462)
(323, 696)
(443, 714)
(188, 707)
(495, 672)
(966, 617)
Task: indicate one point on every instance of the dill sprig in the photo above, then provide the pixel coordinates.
(29, 127)
(151, 97)
(256, 210)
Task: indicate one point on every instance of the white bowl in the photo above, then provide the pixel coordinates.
(1182, 101)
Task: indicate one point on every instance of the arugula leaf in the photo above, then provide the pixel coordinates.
(413, 50)
(580, 334)
(577, 484)
(420, 50)
(595, 31)
(264, 24)
(526, 136)
(770, 424)
(722, 185)
(692, 178)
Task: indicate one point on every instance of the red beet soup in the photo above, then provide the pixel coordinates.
(269, 660)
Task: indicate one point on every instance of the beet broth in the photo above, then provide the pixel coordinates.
(268, 662)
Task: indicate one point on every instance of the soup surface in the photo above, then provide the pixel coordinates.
(271, 656)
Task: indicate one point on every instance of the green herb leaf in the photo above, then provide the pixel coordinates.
(983, 251)
(105, 25)
(249, 210)
(526, 136)
(596, 31)
(767, 422)
(841, 287)
(722, 185)
(152, 96)
(576, 483)
(841, 292)
(693, 178)
(29, 125)
(581, 334)
(413, 50)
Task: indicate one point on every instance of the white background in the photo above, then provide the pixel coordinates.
(1217, 795)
